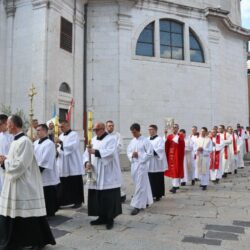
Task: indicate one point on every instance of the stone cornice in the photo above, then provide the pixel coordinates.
(223, 16)
(40, 3)
(10, 8)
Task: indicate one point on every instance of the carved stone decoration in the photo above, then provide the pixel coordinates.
(10, 7)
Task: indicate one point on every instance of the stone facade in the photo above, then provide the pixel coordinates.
(121, 85)
(30, 53)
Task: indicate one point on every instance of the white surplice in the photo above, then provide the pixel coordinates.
(106, 168)
(226, 162)
(203, 158)
(120, 148)
(70, 159)
(5, 141)
(22, 193)
(195, 174)
(139, 171)
(158, 163)
(234, 153)
(241, 137)
(45, 154)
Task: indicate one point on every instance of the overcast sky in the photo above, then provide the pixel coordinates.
(245, 8)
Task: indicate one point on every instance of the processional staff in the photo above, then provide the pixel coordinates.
(89, 167)
(32, 93)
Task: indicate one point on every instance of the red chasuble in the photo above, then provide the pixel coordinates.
(175, 156)
(215, 156)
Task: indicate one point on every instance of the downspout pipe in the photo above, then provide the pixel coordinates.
(85, 118)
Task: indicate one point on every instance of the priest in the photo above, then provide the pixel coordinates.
(216, 156)
(5, 140)
(234, 150)
(157, 164)
(194, 135)
(104, 198)
(70, 167)
(227, 138)
(139, 153)
(188, 173)
(175, 149)
(203, 147)
(241, 138)
(45, 154)
(22, 208)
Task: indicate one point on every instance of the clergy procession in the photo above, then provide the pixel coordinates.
(42, 171)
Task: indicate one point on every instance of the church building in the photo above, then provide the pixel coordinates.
(126, 60)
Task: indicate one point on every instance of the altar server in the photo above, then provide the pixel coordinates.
(70, 167)
(158, 164)
(5, 140)
(104, 198)
(45, 154)
(139, 153)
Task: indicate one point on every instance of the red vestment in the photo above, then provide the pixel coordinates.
(246, 142)
(175, 156)
(215, 156)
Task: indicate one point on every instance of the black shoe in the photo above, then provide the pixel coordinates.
(110, 225)
(157, 198)
(229, 172)
(123, 198)
(34, 247)
(235, 171)
(204, 188)
(99, 221)
(135, 211)
(193, 182)
(217, 181)
(224, 175)
(77, 205)
(183, 183)
(173, 190)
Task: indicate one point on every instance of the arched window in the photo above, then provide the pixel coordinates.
(145, 43)
(196, 51)
(64, 87)
(171, 39)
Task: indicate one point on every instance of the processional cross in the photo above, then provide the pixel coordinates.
(32, 93)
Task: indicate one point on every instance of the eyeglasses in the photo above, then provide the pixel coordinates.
(96, 129)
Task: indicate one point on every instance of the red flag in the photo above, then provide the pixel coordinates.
(68, 115)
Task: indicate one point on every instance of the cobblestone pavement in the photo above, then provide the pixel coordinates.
(218, 218)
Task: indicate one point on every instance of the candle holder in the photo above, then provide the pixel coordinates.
(90, 180)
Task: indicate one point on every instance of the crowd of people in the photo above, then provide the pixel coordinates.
(41, 173)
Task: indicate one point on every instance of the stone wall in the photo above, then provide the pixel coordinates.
(146, 90)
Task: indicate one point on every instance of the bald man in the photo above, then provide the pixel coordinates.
(104, 195)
